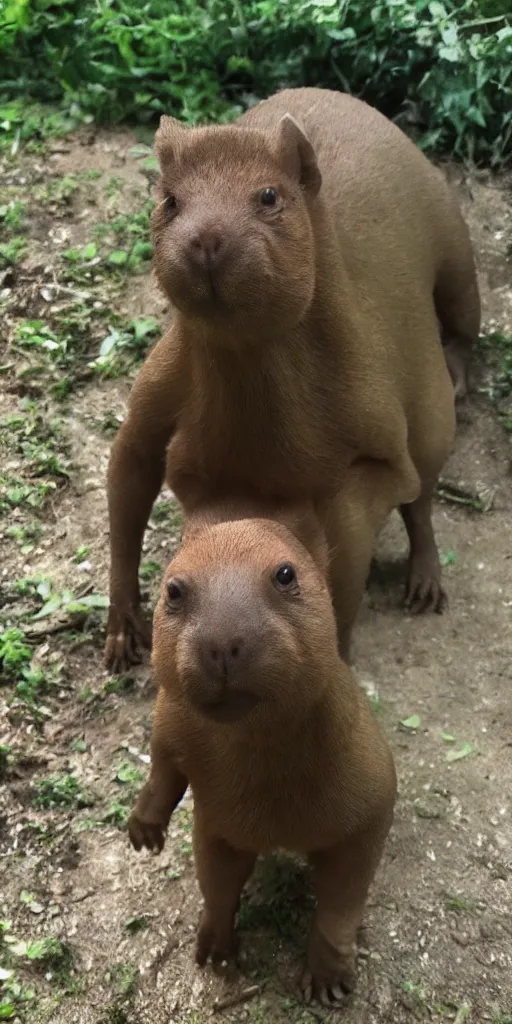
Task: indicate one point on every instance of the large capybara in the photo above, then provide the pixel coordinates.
(316, 264)
(257, 712)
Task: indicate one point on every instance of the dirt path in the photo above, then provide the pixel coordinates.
(437, 941)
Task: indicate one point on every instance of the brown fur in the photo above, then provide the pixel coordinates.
(256, 711)
(307, 337)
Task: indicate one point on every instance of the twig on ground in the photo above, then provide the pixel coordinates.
(481, 500)
(236, 998)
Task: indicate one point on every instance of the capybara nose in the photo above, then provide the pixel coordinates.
(205, 249)
(221, 659)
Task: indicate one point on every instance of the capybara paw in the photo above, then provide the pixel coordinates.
(330, 991)
(211, 944)
(145, 833)
(128, 635)
(331, 973)
(424, 591)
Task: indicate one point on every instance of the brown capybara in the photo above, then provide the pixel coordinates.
(316, 264)
(257, 712)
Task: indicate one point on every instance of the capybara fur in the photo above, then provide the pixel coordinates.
(316, 264)
(258, 714)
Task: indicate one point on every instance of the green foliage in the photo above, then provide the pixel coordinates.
(497, 351)
(446, 65)
(61, 791)
(14, 653)
(13, 251)
(498, 347)
(125, 346)
(17, 668)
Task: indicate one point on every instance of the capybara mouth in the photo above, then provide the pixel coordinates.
(229, 706)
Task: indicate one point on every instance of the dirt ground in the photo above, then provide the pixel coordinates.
(437, 937)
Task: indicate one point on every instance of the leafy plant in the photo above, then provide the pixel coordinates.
(445, 67)
(127, 772)
(14, 653)
(17, 667)
(25, 535)
(13, 251)
(60, 791)
(122, 347)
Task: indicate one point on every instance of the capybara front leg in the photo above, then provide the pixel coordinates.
(164, 789)
(424, 591)
(222, 873)
(342, 876)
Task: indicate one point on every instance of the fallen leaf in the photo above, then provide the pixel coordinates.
(447, 737)
(413, 722)
(457, 755)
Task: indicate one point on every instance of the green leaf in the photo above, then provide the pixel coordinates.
(143, 326)
(450, 53)
(109, 343)
(89, 601)
(49, 607)
(118, 257)
(140, 150)
(7, 1011)
(447, 737)
(413, 722)
(457, 755)
(447, 558)
(73, 255)
(151, 164)
(44, 589)
(437, 10)
(89, 251)
(141, 251)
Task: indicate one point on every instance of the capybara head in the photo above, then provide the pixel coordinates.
(244, 621)
(232, 227)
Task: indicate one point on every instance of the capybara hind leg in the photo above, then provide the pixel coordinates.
(342, 877)
(424, 590)
(456, 354)
(222, 873)
(352, 522)
(458, 308)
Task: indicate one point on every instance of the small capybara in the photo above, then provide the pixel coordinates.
(257, 712)
(316, 264)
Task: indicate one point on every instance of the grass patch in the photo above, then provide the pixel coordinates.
(30, 682)
(13, 251)
(125, 347)
(48, 956)
(497, 351)
(167, 513)
(61, 791)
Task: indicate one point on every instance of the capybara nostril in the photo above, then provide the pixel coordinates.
(220, 659)
(205, 247)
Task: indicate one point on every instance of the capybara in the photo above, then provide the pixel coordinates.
(257, 712)
(316, 264)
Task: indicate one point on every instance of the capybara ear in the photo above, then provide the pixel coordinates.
(169, 138)
(297, 156)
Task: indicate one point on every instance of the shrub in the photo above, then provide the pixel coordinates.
(446, 68)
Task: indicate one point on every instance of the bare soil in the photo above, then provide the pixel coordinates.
(437, 937)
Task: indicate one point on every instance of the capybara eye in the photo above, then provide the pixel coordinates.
(175, 591)
(171, 204)
(268, 197)
(285, 575)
